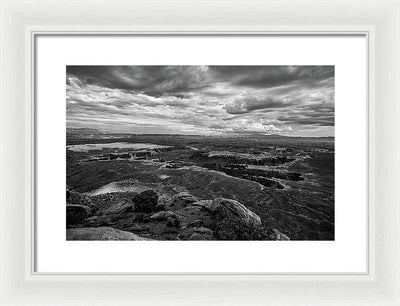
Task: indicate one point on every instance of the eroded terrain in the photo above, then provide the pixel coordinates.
(174, 187)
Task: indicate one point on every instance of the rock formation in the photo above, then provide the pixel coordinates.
(77, 213)
(182, 216)
(145, 201)
(230, 209)
(100, 233)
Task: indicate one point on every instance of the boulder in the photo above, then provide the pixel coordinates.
(100, 233)
(234, 210)
(230, 209)
(180, 200)
(145, 201)
(77, 213)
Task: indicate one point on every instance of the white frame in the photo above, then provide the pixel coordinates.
(21, 21)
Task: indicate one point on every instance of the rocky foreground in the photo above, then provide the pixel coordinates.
(149, 216)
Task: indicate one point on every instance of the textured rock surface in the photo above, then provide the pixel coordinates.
(196, 233)
(172, 219)
(100, 233)
(230, 209)
(119, 208)
(163, 216)
(145, 215)
(77, 213)
(201, 233)
(180, 200)
(74, 197)
(277, 235)
(145, 201)
(208, 204)
(197, 214)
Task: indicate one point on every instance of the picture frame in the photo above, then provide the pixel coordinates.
(22, 21)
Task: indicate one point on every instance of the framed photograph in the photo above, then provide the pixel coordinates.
(197, 152)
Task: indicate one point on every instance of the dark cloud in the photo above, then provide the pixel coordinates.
(155, 80)
(259, 76)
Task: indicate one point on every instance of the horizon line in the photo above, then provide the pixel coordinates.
(208, 135)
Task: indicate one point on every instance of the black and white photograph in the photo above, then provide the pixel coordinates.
(200, 153)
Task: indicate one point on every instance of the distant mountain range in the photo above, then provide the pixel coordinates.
(82, 131)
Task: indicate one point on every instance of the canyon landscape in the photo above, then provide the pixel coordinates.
(200, 153)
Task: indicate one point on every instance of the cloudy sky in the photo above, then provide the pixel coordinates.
(210, 100)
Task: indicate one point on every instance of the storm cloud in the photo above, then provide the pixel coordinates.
(288, 100)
